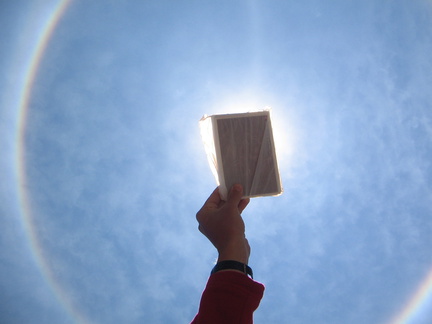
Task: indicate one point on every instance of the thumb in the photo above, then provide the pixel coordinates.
(235, 195)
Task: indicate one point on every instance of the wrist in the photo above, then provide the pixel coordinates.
(237, 252)
(239, 257)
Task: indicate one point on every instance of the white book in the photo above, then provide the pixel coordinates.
(240, 149)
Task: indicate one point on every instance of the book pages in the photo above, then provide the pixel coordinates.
(240, 149)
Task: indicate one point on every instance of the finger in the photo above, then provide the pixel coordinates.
(235, 195)
(214, 198)
(242, 205)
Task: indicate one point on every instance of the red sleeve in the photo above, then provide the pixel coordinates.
(230, 297)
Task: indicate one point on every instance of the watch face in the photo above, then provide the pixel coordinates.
(247, 154)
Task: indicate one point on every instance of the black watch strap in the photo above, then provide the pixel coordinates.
(233, 265)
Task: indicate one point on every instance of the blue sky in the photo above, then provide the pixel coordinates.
(116, 169)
